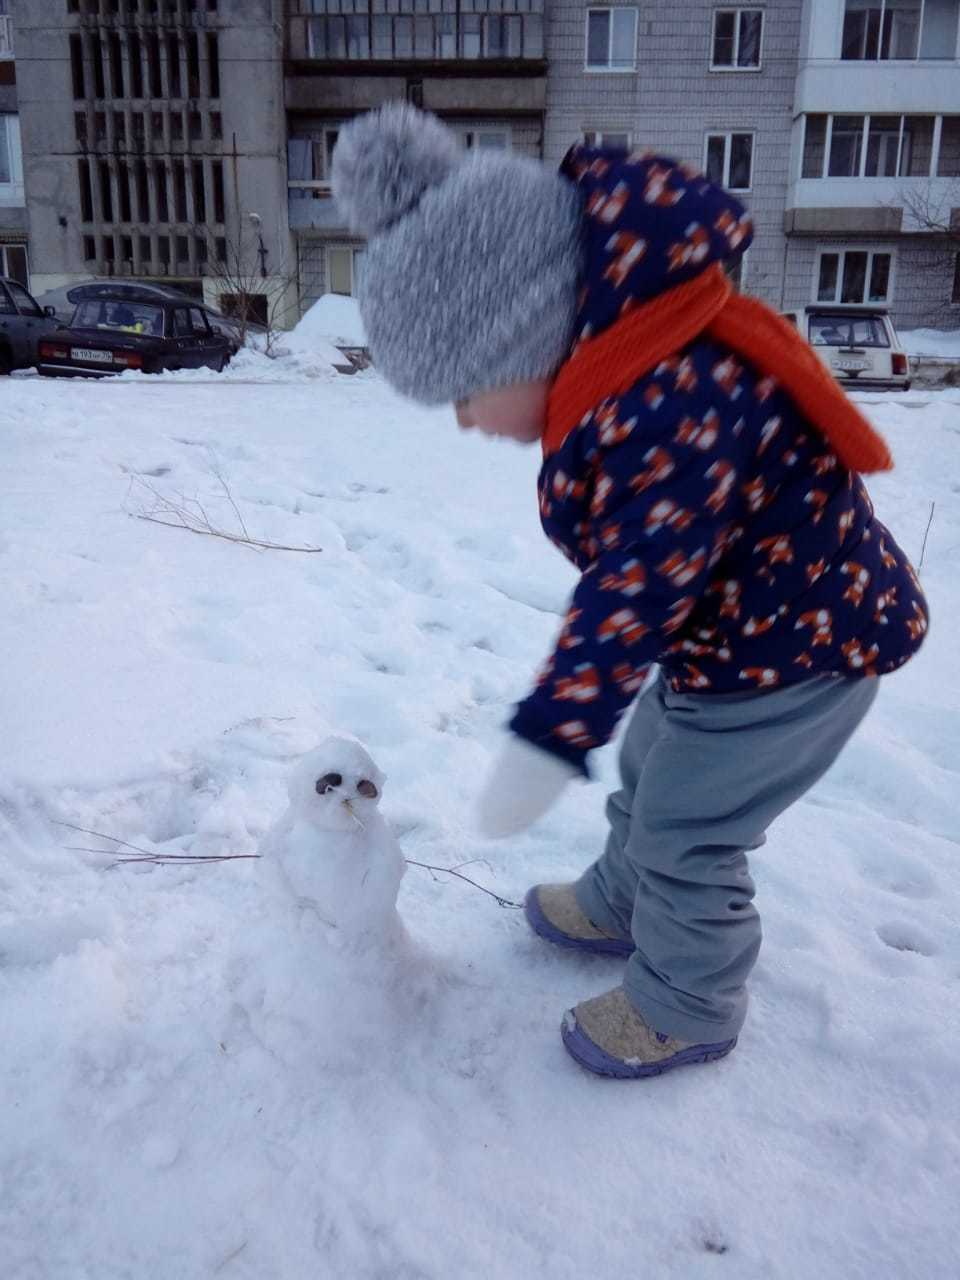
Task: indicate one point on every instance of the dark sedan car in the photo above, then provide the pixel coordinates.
(120, 327)
(22, 322)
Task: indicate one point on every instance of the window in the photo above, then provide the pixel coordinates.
(22, 300)
(308, 163)
(611, 39)
(213, 65)
(136, 65)
(218, 203)
(163, 203)
(881, 30)
(846, 145)
(199, 193)
(13, 262)
(106, 192)
(179, 191)
(342, 267)
(6, 32)
(414, 30)
(86, 191)
(11, 164)
(737, 37)
(839, 330)
(877, 146)
(216, 124)
(245, 307)
(96, 58)
(729, 160)
(485, 139)
(76, 66)
(115, 50)
(611, 140)
(854, 276)
(89, 249)
(182, 327)
(173, 65)
(955, 296)
(152, 46)
(948, 161)
(193, 65)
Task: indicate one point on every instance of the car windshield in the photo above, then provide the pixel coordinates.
(838, 330)
(122, 317)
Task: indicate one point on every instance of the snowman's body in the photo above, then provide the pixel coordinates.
(331, 854)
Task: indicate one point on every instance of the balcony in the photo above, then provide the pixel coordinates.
(473, 57)
(508, 32)
(876, 174)
(903, 53)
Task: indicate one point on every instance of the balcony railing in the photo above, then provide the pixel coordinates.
(6, 37)
(454, 30)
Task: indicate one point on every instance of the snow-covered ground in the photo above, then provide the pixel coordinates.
(943, 344)
(190, 1091)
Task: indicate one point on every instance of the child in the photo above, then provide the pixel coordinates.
(701, 470)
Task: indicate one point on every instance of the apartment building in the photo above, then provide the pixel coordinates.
(480, 65)
(161, 136)
(153, 137)
(875, 159)
(13, 214)
(837, 120)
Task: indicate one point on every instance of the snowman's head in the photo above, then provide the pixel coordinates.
(337, 787)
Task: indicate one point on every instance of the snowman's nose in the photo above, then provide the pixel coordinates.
(329, 782)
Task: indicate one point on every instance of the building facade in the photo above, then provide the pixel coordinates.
(837, 120)
(14, 259)
(873, 208)
(153, 136)
(480, 65)
(165, 138)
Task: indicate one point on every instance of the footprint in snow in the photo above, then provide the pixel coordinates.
(901, 936)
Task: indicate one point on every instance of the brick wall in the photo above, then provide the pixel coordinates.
(922, 279)
(673, 99)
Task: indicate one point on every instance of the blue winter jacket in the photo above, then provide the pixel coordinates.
(715, 530)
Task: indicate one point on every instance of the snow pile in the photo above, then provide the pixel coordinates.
(332, 319)
(196, 1086)
(942, 344)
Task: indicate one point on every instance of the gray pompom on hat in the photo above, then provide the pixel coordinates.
(469, 282)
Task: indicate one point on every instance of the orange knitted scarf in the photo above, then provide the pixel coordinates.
(610, 364)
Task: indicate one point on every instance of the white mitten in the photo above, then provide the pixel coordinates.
(525, 782)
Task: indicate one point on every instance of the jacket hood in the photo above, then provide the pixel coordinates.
(648, 224)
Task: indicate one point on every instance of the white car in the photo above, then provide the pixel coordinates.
(859, 345)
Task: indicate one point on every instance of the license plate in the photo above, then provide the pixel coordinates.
(847, 363)
(96, 357)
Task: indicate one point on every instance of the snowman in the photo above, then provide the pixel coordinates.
(331, 855)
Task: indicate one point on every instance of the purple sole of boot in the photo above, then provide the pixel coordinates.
(541, 926)
(589, 1055)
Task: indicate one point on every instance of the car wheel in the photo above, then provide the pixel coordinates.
(6, 361)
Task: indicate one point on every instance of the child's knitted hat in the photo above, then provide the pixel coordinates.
(469, 281)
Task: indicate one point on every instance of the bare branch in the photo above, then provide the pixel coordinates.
(187, 859)
(176, 513)
(923, 549)
(452, 871)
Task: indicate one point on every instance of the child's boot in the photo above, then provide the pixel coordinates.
(553, 912)
(607, 1036)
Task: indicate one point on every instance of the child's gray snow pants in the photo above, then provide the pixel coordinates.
(702, 777)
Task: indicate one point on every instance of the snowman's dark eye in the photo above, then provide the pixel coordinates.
(328, 782)
(366, 788)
